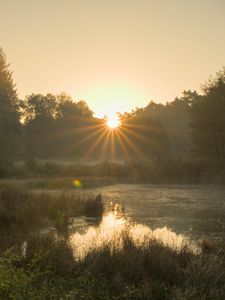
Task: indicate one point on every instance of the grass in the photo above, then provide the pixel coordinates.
(46, 174)
(153, 271)
(23, 211)
(59, 183)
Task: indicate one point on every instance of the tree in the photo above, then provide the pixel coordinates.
(74, 123)
(66, 106)
(208, 119)
(39, 115)
(175, 122)
(54, 125)
(144, 135)
(10, 127)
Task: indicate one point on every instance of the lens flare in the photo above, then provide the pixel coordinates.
(77, 183)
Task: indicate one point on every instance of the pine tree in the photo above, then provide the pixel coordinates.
(10, 127)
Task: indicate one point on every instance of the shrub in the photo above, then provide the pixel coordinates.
(6, 168)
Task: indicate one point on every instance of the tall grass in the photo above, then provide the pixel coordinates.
(153, 271)
(23, 212)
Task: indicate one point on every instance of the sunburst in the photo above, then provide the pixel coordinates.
(112, 121)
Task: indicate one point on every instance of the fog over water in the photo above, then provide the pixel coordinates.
(197, 211)
(175, 215)
(193, 210)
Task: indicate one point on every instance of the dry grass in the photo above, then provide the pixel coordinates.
(153, 271)
(23, 211)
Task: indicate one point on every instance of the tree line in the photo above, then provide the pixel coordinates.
(56, 126)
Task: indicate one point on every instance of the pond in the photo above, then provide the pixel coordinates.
(195, 211)
(174, 214)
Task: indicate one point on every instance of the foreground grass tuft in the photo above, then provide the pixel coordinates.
(153, 271)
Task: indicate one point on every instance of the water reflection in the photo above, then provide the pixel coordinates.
(113, 228)
(195, 211)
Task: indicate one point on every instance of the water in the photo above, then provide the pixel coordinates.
(114, 227)
(174, 215)
(197, 211)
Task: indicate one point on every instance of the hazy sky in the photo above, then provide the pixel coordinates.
(115, 54)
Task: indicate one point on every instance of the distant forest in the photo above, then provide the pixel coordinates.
(57, 127)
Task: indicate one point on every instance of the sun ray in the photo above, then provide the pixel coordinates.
(141, 137)
(71, 131)
(123, 146)
(102, 153)
(113, 148)
(132, 145)
(92, 148)
(142, 127)
(84, 140)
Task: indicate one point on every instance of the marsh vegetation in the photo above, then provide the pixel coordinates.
(44, 255)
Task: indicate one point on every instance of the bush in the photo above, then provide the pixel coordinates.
(6, 168)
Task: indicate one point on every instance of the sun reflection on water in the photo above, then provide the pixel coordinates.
(112, 229)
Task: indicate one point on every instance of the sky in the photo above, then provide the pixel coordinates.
(114, 54)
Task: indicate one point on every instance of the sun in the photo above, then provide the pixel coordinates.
(112, 121)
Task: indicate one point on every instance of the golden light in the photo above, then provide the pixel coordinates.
(77, 183)
(113, 121)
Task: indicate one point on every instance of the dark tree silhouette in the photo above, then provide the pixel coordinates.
(57, 126)
(145, 134)
(53, 125)
(208, 119)
(10, 127)
(175, 118)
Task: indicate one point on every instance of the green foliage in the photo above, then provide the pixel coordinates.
(7, 168)
(31, 164)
